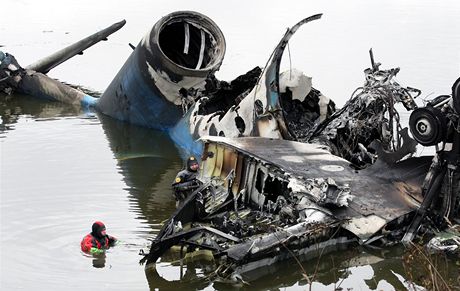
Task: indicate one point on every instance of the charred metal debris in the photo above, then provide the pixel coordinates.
(266, 200)
(343, 177)
(366, 127)
(248, 209)
(369, 122)
(284, 172)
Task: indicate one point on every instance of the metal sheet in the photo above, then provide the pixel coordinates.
(377, 190)
(219, 161)
(209, 162)
(229, 163)
(238, 175)
(249, 180)
(363, 227)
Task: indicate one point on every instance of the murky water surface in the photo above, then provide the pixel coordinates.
(62, 168)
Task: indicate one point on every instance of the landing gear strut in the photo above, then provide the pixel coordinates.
(432, 125)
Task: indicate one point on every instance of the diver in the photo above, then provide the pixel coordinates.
(98, 240)
(186, 180)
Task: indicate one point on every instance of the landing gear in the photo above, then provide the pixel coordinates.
(430, 126)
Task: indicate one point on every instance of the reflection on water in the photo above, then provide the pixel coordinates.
(149, 162)
(59, 175)
(99, 261)
(342, 269)
(12, 107)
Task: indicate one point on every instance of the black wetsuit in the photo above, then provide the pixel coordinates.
(185, 183)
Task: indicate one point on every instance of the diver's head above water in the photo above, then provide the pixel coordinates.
(98, 229)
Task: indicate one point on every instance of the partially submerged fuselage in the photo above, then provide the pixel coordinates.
(264, 200)
(168, 83)
(292, 171)
(178, 53)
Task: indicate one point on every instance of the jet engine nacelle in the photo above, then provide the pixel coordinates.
(178, 53)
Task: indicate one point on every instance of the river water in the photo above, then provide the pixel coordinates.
(62, 167)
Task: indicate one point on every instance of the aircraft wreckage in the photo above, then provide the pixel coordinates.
(283, 171)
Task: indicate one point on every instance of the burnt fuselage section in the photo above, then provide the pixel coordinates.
(262, 197)
(178, 53)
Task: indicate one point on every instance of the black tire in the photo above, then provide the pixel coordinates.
(428, 126)
(456, 95)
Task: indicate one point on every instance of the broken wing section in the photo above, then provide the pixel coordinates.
(46, 64)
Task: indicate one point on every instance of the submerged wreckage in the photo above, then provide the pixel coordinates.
(283, 172)
(263, 200)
